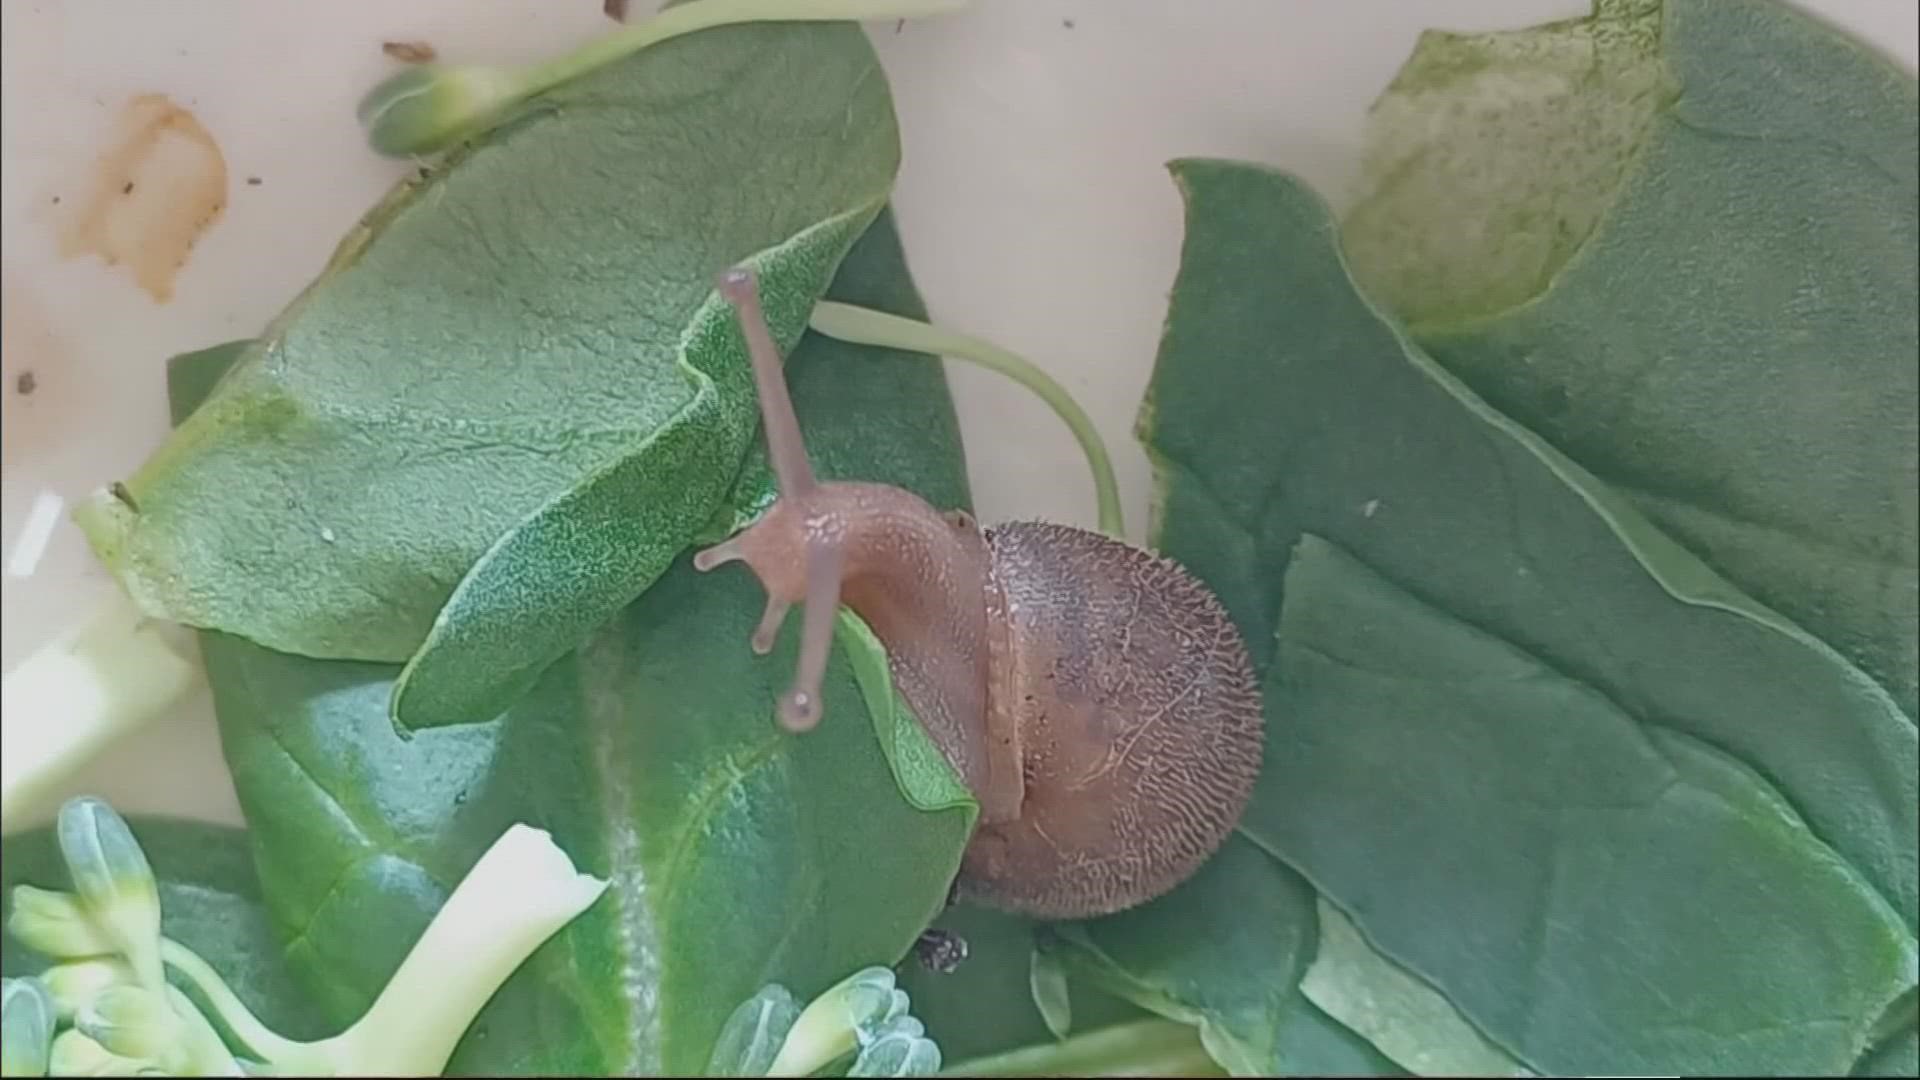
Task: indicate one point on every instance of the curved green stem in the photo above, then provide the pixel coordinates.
(864, 326)
(1142, 1048)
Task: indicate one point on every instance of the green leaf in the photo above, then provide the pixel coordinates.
(1757, 226)
(1283, 403)
(750, 1039)
(1151, 1047)
(926, 778)
(1047, 980)
(1613, 856)
(1409, 1021)
(209, 901)
(576, 561)
(738, 855)
(1899, 1055)
(1463, 126)
(1225, 951)
(1424, 482)
(513, 391)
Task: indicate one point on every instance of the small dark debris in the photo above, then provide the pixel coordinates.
(615, 10)
(119, 491)
(26, 383)
(128, 189)
(253, 181)
(940, 951)
(409, 52)
(56, 200)
(899, 26)
(1068, 23)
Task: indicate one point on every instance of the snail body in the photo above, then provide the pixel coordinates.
(1096, 698)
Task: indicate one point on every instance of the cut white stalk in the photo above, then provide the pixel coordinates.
(520, 893)
(71, 700)
(35, 535)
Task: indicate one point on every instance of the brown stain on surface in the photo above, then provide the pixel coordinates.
(155, 191)
(409, 52)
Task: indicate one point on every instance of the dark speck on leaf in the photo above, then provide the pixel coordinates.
(941, 951)
(26, 383)
(253, 181)
(127, 190)
(1068, 23)
(119, 491)
(615, 9)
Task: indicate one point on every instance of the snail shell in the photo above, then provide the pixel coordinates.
(1139, 723)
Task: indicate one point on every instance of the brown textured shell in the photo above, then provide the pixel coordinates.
(1139, 725)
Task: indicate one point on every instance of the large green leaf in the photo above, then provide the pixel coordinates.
(209, 901)
(1736, 344)
(1408, 1020)
(1459, 211)
(1605, 910)
(1897, 1056)
(513, 398)
(1282, 404)
(1225, 951)
(739, 855)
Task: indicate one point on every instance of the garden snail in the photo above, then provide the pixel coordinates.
(1096, 698)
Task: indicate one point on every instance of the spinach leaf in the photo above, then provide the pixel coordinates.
(1604, 914)
(1284, 404)
(1724, 324)
(1897, 1056)
(209, 901)
(1407, 1019)
(739, 855)
(1464, 126)
(1225, 951)
(512, 399)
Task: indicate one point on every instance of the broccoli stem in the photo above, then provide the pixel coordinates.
(79, 695)
(522, 891)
